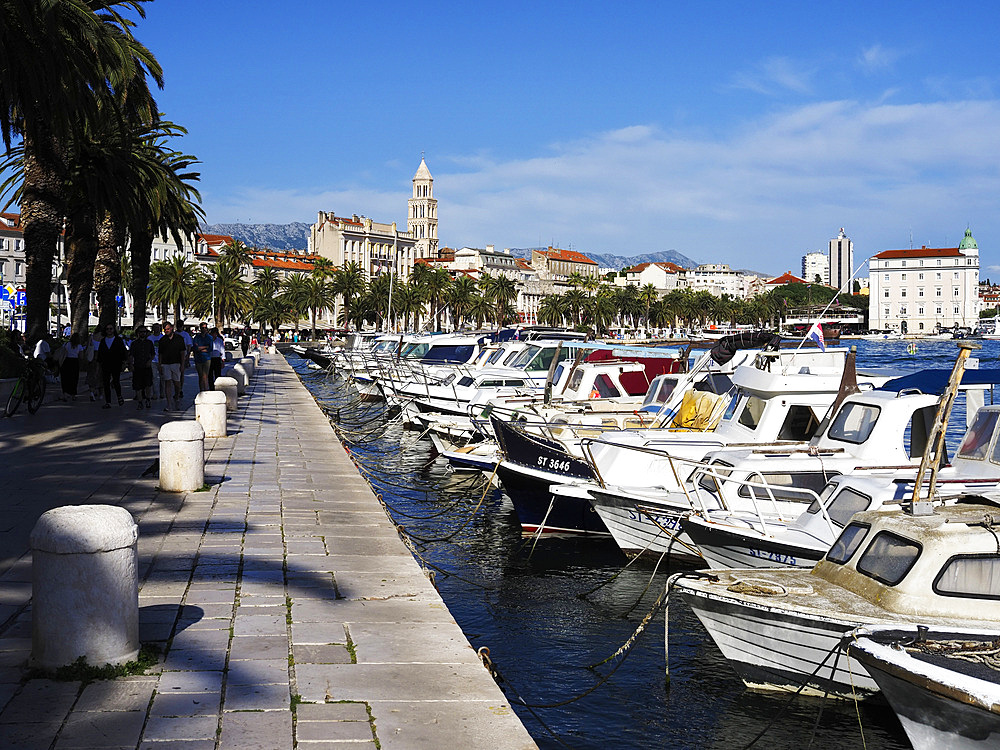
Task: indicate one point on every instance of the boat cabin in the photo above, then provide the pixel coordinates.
(945, 564)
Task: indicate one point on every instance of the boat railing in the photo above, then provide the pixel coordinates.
(760, 492)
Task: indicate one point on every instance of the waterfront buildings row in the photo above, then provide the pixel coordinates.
(911, 290)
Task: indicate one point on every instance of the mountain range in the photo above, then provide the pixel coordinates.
(294, 237)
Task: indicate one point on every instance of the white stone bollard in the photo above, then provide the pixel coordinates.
(228, 386)
(239, 373)
(210, 413)
(250, 365)
(182, 456)
(256, 357)
(84, 587)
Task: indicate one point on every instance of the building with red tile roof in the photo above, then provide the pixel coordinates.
(922, 290)
(786, 278)
(558, 264)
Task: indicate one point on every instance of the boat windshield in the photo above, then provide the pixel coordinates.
(752, 412)
(449, 353)
(977, 440)
(847, 543)
(854, 423)
(414, 351)
(843, 506)
(660, 394)
(535, 359)
(524, 357)
(888, 558)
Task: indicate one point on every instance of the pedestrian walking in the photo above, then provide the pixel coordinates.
(154, 339)
(69, 367)
(111, 354)
(141, 355)
(182, 331)
(245, 341)
(172, 351)
(218, 354)
(202, 354)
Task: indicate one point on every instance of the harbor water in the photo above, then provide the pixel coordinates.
(549, 611)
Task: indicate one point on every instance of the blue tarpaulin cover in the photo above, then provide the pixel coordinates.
(935, 381)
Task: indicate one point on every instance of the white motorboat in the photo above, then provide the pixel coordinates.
(943, 684)
(782, 628)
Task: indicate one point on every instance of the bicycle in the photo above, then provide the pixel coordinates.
(30, 387)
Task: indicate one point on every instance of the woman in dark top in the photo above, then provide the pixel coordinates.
(141, 358)
(112, 354)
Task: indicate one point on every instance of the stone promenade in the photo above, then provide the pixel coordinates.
(285, 609)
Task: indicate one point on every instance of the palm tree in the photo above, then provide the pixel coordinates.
(225, 288)
(482, 309)
(319, 296)
(576, 300)
(576, 280)
(648, 295)
(236, 255)
(59, 59)
(349, 283)
(268, 281)
(552, 310)
(460, 296)
(323, 268)
(435, 284)
(293, 292)
(172, 281)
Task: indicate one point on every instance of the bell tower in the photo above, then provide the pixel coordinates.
(421, 218)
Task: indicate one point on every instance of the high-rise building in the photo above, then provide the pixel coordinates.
(816, 267)
(841, 261)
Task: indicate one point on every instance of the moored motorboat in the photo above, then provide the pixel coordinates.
(943, 684)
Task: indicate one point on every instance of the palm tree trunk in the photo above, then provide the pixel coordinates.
(81, 240)
(142, 249)
(42, 208)
(108, 270)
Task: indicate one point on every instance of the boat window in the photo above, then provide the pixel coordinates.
(605, 387)
(466, 381)
(494, 357)
(916, 432)
(733, 406)
(977, 439)
(854, 423)
(574, 382)
(800, 424)
(844, 505)
(975, 576)
(511, 357)
(518, 383)
(450, 353)
(830, 488)
(750, 416)
(414, 351)
(847, 543)
(719, 471)
(524, 357)
(888, 558)
(449, 380)
(660, 392)
(491, 383)
(786, 485)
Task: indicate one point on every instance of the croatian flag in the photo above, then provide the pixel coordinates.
(816, 334)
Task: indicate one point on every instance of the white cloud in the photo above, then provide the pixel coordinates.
(758, 198)
(775, 75)
(877, 58)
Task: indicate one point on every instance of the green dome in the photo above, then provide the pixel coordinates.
(968, 242)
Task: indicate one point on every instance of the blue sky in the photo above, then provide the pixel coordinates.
(733, 132)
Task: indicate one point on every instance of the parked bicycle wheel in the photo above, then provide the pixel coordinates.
(15, 398)
(36, 394)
